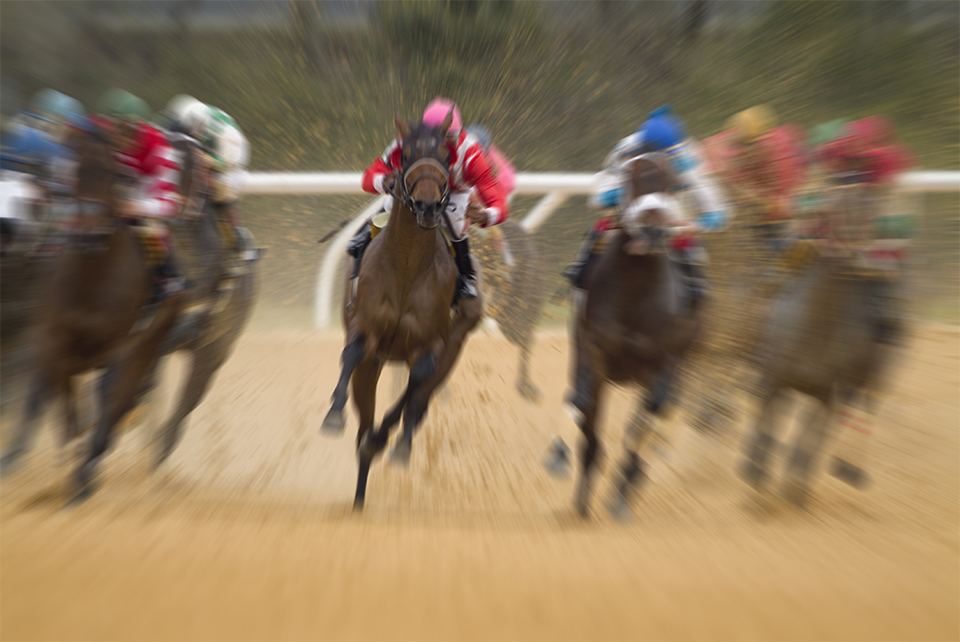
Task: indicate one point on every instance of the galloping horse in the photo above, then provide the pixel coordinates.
(821, 339)
(99, 292)
(213, 315)
(631, 327)
(514, 290)
(402, 307)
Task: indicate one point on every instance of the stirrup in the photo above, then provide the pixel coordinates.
(466, 288)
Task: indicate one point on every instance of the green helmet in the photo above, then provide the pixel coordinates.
(120, 104)
(826, 132)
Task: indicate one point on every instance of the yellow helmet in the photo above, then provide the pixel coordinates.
(750, 124)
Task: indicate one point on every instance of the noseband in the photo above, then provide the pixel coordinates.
(443, 182)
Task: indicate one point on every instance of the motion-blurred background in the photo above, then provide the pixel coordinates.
(314, 85)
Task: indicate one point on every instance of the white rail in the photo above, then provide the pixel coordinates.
(556, 187)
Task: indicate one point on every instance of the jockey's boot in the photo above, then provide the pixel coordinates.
(578, 268)
(695, 287)
(358, 245)
(168, 279)
(466, 277)
(234, 265)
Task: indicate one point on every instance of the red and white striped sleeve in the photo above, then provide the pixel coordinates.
(477, 173)
(385, 165)
(159, 166)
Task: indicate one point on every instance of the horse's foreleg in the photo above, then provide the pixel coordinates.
(526, 388)
(365, 399)
(40, 388)
(118, 390)
(351, 356)
(589, 449)
(641, 424)
(796, 484)
(71, 424)
(204, 364)
(763, 441)
(425, 376)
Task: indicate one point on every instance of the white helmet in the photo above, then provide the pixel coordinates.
(190, 113)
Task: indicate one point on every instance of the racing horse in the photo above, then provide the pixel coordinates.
(822, 338)
(514, 290)
(401, 310)
(630, 326)
(215, 310)
(96, 315)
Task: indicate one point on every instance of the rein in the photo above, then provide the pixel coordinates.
(406, 187)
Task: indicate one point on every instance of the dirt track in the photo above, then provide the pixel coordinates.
(246, 533)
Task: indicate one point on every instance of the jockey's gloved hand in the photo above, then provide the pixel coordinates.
(611, 198)
(712, 221)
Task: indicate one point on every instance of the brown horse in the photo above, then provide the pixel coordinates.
(631, 327)
(401, 310)
(98, 294)
(824, 338)
(215, 309)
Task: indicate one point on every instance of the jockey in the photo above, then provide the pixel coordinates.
(506, 175)
(40, 142)
(810, 198)
(503, 169)
(229, 154)
(38, 134)
(470, 172)
(866, 152)
(662, 132)
(765, 170)
(151, 162)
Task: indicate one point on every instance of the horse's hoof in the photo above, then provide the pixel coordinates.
(9, 463)
(557, 459)
(401, 454)
(619, 509)
(754, 474)
(795, 492)
(575, 413)
(369, 447)
(333, 423)
(850, 474)
(528, 391)
(82, 495)
(358, 505)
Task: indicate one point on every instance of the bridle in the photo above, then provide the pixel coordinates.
(442, 179)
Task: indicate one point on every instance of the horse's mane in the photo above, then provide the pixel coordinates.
(651, 173)
(96, 167)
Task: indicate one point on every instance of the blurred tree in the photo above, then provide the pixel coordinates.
(305, 16)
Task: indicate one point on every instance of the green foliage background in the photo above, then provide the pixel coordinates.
(557, 83)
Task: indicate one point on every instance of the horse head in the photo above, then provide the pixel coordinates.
(645, 218)
(97, 182)
(424, 179)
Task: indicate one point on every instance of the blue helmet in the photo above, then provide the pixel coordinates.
(27, 146)
(663, 130)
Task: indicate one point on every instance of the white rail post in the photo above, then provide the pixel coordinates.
(543, 210)
(327, 278)
(557, 187)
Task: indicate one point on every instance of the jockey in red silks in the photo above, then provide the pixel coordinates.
(153, 170)
(470, 172)
(867, 153)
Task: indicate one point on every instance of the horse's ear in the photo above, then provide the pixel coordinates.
(445, 125)
(402, 126)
